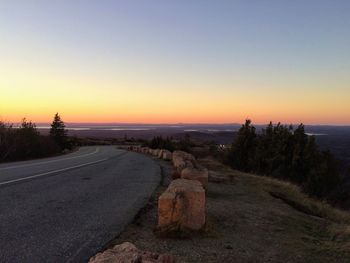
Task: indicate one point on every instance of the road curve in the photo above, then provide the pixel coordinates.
(64, 209)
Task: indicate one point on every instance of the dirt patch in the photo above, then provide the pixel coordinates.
(244, 224)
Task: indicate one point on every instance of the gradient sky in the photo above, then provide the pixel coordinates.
(175, 61)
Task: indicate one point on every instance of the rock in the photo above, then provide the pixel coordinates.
(160, 153)
(181, 160)
(199, 174)
(128, 253)
(182, 205)
(145, 150)
(167, 155)
(124, 253)
(179, 163)
(189, 164)
(155, 152)
(184, 155)
(135, 148)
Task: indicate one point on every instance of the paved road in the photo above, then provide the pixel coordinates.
(64, 209)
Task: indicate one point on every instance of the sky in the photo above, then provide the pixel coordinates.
(184, 61)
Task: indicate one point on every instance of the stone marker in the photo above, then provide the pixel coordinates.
(182, 205)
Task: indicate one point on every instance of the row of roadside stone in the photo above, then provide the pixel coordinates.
(159, 153)
(181, 208)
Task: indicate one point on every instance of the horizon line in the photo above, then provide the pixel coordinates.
(183, 123)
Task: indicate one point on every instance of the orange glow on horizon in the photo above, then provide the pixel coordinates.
(174, 119)
(95, 98)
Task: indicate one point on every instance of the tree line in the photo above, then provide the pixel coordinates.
(285, 153)
(169, 143)
(25, 141)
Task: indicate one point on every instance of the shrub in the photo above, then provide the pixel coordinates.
(159, 142)
(24, 142)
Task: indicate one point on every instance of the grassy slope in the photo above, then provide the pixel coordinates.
(315, 229)
(253, 219)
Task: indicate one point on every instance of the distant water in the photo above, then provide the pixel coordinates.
(68, 128)
(141, 127)
(101, 128)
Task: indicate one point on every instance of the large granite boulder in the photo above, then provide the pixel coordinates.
(144, 150)
(181, 160)
(182, 206)
(200, 174)
(184, 155)
(179, 163)
(156, 152)
(135, 148)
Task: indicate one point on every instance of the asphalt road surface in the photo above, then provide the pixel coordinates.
(66, 208)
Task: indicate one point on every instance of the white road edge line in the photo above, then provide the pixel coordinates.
(51, 172)
(52, 161)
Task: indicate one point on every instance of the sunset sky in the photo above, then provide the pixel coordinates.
(158, 61)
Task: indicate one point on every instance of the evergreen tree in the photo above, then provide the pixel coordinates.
(242, 153)
(273, 150)
(298, 162)
(283, 153)
(7, 140)
(185, 143)
(159, 142)
(58, 132)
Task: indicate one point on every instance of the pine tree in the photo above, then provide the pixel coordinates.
(279, 151)
(58, 132)
(241, 155)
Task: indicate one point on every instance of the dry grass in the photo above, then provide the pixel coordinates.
(285, 191)
(291, 194)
